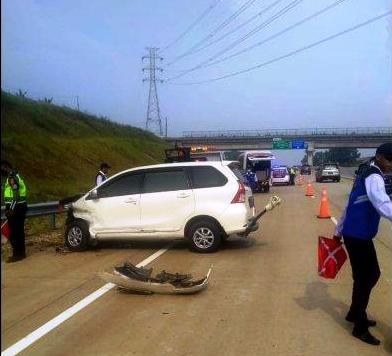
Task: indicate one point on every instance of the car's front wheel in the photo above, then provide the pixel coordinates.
(204, 236)
(77, 236)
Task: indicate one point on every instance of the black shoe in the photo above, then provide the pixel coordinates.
(15, 258)
(369, 322)
(366, 336)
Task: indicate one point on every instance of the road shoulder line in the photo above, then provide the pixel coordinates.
(65, 315)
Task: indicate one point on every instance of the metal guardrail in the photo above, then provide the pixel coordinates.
(49, 208)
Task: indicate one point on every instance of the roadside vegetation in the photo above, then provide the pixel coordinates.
(58, 150)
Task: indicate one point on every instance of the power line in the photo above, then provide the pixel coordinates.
(204, 14)
(239, 26)
(306, 19)
(222, 25)
(255, 30)
(276, 59)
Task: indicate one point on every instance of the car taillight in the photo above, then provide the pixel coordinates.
(240, 195)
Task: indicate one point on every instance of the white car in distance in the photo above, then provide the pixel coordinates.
(204, 202)
(280, 175)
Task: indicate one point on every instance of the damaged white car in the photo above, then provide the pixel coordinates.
(204, 202)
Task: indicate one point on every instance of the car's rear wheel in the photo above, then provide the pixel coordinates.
(204, 236)
(77, 236)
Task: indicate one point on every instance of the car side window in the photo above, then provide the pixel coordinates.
(127, 184)
(206, 177)
(165, 181)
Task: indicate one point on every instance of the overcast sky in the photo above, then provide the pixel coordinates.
(93, 49)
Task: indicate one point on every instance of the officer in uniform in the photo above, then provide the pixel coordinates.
(102, 174)
(368, 201)
(15, 193)
(292, 175)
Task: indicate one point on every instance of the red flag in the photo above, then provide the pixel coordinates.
(5, 232)
(331, 257)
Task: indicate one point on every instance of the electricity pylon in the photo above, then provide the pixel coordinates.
(153, 119)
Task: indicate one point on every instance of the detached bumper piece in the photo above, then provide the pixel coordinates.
(132, 278)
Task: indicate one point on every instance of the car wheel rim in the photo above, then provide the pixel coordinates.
(75, 236)
(203, 238)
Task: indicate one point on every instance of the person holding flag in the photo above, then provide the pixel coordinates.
(15, 194)
(368, 201)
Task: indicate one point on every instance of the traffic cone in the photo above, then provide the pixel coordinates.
(324, 205)
(309, 190)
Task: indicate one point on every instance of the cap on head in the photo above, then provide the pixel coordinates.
(385, 150)
(104, 165)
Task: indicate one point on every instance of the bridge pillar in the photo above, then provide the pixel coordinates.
(310, 153)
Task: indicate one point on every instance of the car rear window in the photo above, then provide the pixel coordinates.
(330, 166)
(279, 173)
(206, 177)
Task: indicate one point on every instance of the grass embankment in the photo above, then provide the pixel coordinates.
(58, 150)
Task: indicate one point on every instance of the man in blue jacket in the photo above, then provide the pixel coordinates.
(368, 201)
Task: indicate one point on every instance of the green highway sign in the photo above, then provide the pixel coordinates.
(278, 144)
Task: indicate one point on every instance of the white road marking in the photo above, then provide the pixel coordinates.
(51, 324)
(334, 220)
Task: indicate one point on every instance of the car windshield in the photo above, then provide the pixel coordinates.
(330, 166)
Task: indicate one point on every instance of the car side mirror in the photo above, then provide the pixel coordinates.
(93, 195)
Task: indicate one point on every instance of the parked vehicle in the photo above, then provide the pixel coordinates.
(204, 202)
(328, 171)
(305, 169)
(280, 175)
(257, 169)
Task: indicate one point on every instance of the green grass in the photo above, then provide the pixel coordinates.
(58, 150)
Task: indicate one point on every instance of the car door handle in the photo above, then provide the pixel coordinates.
(131, 201)
(183, 195)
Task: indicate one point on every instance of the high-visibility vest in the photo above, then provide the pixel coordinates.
(9, 192)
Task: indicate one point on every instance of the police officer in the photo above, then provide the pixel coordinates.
(292, 175)
(15, 193)
(358, 226)
(102, 174)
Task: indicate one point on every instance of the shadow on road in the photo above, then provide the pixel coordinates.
(316, 296)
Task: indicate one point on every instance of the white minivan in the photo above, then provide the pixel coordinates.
(204, 202)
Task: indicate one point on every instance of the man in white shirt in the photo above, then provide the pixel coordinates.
(102, 174)
(358, 226)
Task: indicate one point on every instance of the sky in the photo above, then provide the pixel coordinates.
(93, 49)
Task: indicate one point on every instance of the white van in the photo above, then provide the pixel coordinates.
(204, 202)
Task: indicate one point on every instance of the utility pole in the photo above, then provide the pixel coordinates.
(153, 118)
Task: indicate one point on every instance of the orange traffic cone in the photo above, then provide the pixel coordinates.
(324, 205)
(309, 190)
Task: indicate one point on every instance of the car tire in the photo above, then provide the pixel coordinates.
(204, 236)
(77, 236)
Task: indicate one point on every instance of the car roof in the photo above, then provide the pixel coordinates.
(177, 164)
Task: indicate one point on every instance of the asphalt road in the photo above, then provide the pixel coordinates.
(264, 297)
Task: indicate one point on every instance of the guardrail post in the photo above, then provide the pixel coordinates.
(52, 218)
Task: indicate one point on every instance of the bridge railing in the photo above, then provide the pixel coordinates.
(368, 131)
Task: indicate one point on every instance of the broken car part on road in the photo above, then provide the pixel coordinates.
(273, 202)
(132, 278)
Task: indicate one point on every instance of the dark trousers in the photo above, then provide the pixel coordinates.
(17, 234)
(292, 177)
(366, 272)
